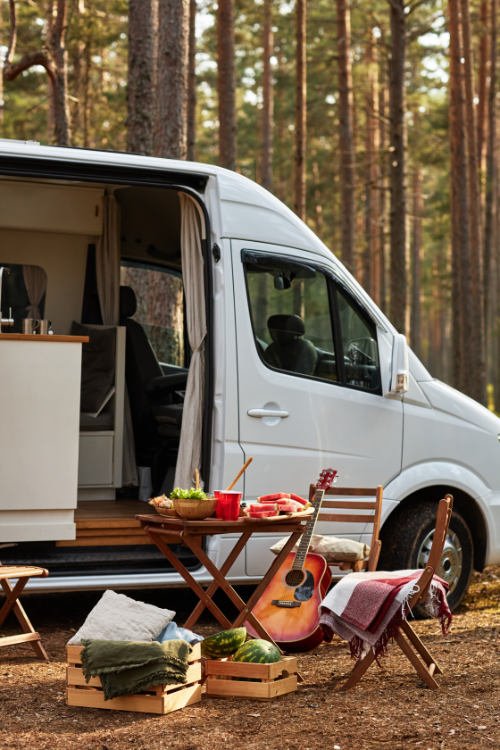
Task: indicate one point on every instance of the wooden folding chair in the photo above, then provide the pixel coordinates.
(342, 510)
(22, 574)
(410, 644)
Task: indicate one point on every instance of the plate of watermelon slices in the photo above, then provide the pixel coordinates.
(277, 507)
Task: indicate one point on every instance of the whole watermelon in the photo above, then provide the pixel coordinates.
(258, 651)
(224, 643)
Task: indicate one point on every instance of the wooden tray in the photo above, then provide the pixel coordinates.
(282, 516)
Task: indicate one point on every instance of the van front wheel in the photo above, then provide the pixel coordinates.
(406, 543)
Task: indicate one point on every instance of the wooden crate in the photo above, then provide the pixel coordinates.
(161, 699)
(231, 679)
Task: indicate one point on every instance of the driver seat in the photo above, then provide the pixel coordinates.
(156, 419)
(289, 350)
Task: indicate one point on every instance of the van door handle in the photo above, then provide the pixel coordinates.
(262, 413)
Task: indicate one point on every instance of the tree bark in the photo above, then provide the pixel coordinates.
(59, 79)
(173, 38)
(460, 234)
(300, 110)
(492, 216)
(142, 36)
(226, 84)
(415, 254)
(347, 169)
(476, 368)
(191, 104)
(268, 98)
(382, 193)
(398, 251)
(482, 87)
(372, 234)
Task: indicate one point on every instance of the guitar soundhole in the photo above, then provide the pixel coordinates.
(294, 577)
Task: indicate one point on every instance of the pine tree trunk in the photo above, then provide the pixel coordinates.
(475, 352)
(268, 98)
(347, 170)
(226, 85)
(191, 105)
(460, 234)
(142, 37)
(372, 234)
(59, 72)
(173, 38)
(398, 259)
(492, 216)
(482, 86)
(382, 195)
(300, 110)
(415, 254)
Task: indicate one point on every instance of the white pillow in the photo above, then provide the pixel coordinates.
(332, 548)
(116, 617)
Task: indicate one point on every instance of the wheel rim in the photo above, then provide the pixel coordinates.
(450, 567)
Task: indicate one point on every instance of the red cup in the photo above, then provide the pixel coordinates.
(228, 504)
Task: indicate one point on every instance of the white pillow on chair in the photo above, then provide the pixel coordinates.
(116, 617)
(333, 548)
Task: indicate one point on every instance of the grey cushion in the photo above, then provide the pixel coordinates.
(116, 617)
(98, 365)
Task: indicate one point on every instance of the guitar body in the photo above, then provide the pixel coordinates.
(290, 613)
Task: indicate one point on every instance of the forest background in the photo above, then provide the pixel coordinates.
(375, 120)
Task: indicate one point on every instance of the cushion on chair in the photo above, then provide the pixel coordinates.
(116, 617)
(333, 548)
(98, 366)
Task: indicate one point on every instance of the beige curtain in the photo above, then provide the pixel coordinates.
(35, 281)
(108, 261)
(192, 232)
(108, 288)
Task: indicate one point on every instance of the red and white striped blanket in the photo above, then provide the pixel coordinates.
(365, 608)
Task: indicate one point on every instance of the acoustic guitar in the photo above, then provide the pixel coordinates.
(289, 605)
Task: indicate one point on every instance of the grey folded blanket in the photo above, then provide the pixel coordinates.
(126, 667)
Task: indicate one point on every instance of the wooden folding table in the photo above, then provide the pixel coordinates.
(165, 530)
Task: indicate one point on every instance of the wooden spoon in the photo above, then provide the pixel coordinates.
(240, 473)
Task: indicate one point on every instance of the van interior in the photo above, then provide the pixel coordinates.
(104, 260)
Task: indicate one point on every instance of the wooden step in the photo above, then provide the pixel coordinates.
(107, 523)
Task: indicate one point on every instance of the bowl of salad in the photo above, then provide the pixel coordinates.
(193, 504)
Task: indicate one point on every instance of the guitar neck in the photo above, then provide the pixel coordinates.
(303, 548)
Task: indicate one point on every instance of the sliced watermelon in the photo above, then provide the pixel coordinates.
(262, 510)
(298, 498)
(289, 506)
(273, 498)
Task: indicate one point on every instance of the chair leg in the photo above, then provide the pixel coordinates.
(425, 672)
(358, 670)
(419, 646)
(12, 604)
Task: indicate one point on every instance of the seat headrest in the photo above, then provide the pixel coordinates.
(128, 303)
(285, 328)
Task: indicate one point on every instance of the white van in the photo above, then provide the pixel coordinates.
(219, 328)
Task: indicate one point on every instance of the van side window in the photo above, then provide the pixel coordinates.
(358, 342)
(291, 318)
(307, 325)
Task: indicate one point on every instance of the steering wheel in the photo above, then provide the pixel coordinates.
(356, 355)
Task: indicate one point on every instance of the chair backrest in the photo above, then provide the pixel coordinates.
(360, 505)
(443, 516)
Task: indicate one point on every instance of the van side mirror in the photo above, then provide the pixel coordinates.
(400, 369)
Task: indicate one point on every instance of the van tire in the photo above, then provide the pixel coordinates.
(406, 544)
